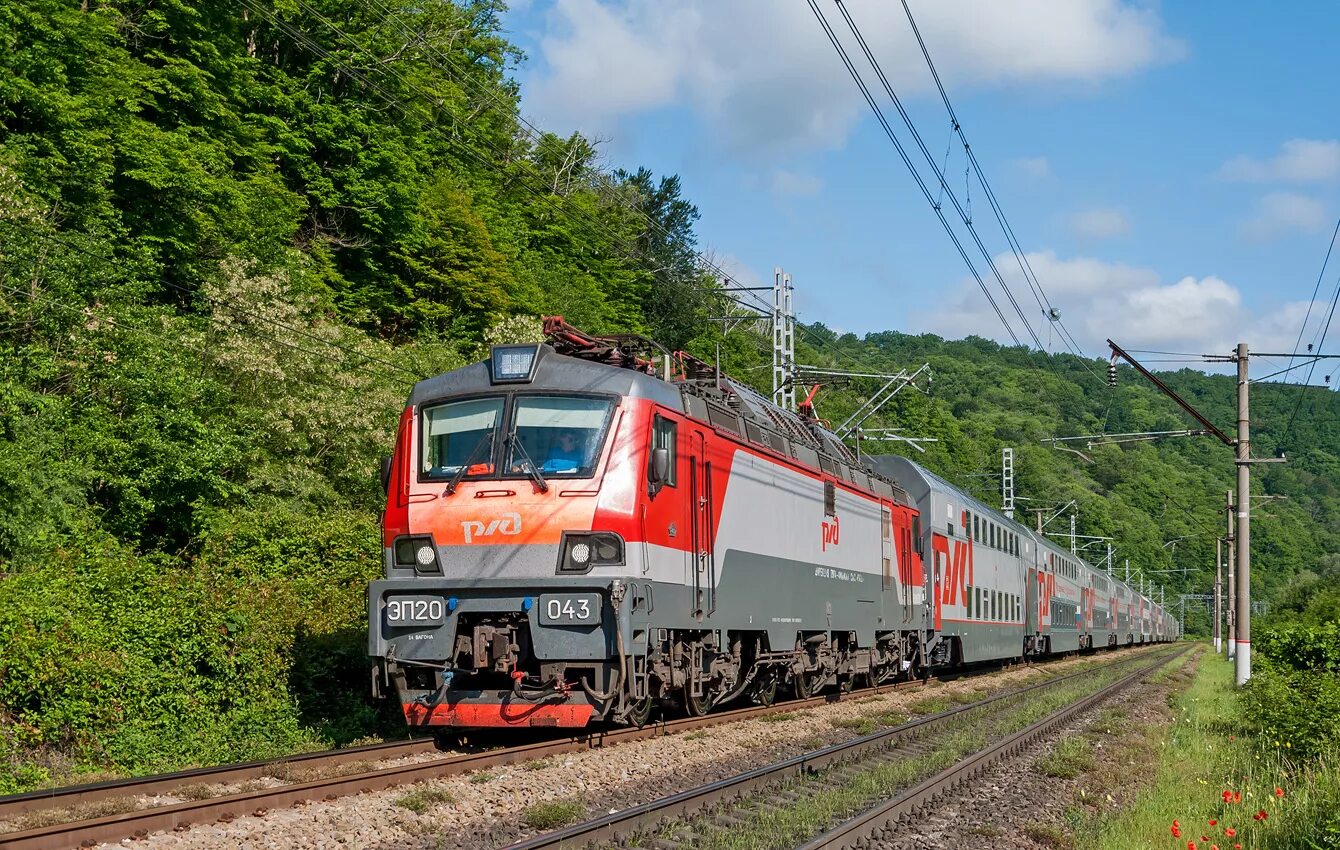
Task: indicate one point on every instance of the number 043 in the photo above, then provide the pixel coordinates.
(561, 609)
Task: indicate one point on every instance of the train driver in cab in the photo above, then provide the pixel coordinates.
(567, 453)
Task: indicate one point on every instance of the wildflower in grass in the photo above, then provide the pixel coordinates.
(1191, 845)
(1237, 796)
(1260, 815)
(1213, 822)
(1279, 792)
(1230, 831)
(1227, 795)
(1176, 830)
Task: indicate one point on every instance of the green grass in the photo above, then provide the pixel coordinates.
(553, 814)
(930, 705)
(421, 800)
(1203, 753)
(696, 736)
(863, 725)
(779, 717)
(1070, 758)
(480, 777)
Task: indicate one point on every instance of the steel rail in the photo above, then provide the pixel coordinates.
(176, 816)
(859, 832)
(16, 805)
(619, 826)
(141, 822)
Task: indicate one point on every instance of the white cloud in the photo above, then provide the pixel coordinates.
(790, 184)
(1038, 167)
(1102, 223)
(1299, 160)
(1099, 300)
(763, 78)
(1280, 213)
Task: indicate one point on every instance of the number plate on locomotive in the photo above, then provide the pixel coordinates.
(415, 611)
(570, 609)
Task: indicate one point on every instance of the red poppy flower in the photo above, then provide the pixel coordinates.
(1237, 847)
(1228, 796)
(1176, 831)
(1191, 845)
(1237, 796)
(1205, 838)
(1230, 831)
(1261, 815)
(1213, 821)
(1279, 792)
(1214, 847)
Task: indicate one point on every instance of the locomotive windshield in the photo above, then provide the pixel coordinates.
(460, 435)
(558, 435)
(562, 435)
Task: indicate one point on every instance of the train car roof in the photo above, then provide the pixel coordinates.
(554, 372)
(918, 481)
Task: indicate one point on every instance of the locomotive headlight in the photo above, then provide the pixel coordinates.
(582, 550)
(418, 553)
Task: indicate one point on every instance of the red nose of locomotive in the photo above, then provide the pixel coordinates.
(509, 507)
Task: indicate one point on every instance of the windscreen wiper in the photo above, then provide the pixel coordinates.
(531, 468)
(455, 481)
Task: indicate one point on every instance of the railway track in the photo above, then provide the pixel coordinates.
(360, 776)
(810, 799)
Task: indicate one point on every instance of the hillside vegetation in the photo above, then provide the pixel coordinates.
(230, 242)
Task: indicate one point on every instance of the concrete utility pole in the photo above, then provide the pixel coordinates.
(1243, 665)
(1073, 551)
(1231, 553)
(1218, 590)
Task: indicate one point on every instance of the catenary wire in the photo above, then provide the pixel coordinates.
(898, 145)
(1021, 257)
(965, 215)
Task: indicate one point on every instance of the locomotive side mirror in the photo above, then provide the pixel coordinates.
(660, 466)
(386, 473)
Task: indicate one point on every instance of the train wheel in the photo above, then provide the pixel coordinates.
(804, 687)
(640, 713)
(695, 706)
(765, 693)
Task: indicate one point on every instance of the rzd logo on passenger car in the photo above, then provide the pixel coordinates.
(508, 523)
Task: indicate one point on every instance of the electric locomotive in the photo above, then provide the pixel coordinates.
(592, 528)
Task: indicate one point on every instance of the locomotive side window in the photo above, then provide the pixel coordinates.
(561, 435)
(663, 436)
(460, 434)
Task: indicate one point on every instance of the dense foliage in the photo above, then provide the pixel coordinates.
(1293, 699)
(232, 237)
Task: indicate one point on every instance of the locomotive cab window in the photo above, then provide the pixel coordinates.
(663, 436)
(459, 437)
(558, 435)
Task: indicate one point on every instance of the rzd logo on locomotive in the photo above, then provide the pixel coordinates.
(830, 533)
(509, 524)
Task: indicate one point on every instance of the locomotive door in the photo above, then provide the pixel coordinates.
(702, 563)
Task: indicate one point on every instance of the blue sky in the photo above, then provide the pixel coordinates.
(1172, 171)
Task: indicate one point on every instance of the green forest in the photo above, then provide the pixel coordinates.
(232, 236)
